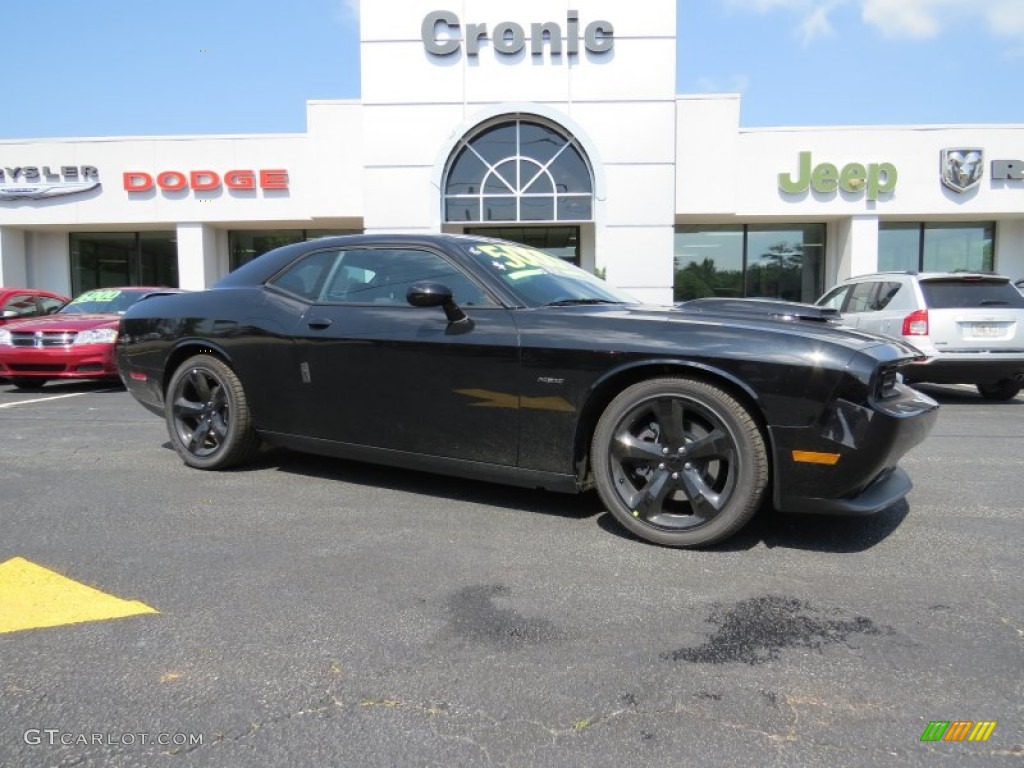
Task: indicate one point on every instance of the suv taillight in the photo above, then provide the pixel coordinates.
(916, 323)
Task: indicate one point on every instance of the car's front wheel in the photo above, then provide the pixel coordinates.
(207, 415)
(679, 462)
(1005, 389)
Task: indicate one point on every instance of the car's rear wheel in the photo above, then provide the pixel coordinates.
(1005, 389)
(27, 382)
(208, 416)
(679, 462)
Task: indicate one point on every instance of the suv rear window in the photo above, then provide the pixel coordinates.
(956, 294)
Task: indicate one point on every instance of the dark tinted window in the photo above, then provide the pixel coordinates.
(860, 298)
(886, 292)
(961, 293)
(307, 277)
(384, 276)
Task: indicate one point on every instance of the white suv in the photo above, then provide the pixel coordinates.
(969, 326)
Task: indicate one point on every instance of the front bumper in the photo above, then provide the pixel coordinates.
(869, 442)
(88, 361)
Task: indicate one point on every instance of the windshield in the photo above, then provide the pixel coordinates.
(541, 279)
(106, 300)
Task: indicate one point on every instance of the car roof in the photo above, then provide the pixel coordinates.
(270, 263)
(4, 291)
(967, 276)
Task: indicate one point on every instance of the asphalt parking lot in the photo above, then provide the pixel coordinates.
(319, 612)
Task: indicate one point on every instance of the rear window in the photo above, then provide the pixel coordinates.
(956, 294)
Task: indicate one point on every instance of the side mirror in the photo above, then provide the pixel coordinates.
(436, 295)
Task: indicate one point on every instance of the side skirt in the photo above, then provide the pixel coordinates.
(473, 470)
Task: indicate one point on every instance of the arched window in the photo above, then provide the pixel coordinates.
(518, 170)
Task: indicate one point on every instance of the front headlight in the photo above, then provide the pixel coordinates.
(5, 337)
(96, 336)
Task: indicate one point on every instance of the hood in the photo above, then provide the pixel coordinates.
(769, 317)
(59, 323)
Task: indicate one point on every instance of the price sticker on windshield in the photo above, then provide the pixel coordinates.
(100, 296)
(517, 257)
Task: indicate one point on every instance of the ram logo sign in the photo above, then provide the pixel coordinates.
(962, 168)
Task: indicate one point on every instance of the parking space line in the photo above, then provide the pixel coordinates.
(43, 399)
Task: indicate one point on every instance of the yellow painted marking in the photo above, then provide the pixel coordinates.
(813, 457)
(32, 597)
(982, 730)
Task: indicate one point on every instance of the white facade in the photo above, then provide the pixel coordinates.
(658, 160)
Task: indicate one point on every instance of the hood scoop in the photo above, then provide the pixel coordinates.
(763, 308)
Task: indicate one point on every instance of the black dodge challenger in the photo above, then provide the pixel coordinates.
(492, 360)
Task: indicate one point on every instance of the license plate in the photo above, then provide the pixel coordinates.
(984, 330)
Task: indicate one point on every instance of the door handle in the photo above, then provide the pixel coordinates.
(319, 323)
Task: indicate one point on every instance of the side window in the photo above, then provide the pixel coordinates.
(307, 277)
(886, 293)
(383, 275)
(834, 298)
(860, 298)
(20, 305)
(49, 305)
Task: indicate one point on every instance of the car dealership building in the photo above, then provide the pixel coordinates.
(554, 124)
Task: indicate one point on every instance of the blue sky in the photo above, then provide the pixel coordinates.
(140, 67)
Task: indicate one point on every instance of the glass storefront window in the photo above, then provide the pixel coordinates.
(519, 170)
(779, 261)
(563, 242)
(936, 247)
(110, 259)
(246, 245)
(708, 262)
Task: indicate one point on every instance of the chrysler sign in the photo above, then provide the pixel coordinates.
(35, 182)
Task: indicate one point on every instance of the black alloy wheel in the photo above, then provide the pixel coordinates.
(1004, 389)
(207, 416)
(679, 462)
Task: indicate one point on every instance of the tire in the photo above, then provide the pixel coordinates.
(1004, 389)
(207, 415)
(28, 383)
(679, 462)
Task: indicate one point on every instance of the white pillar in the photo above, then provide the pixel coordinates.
(13, 270)
(1009, 256)
(48, 261)
(198, 266)
(856, 248)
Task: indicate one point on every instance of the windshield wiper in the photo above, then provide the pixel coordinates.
(576, 302)
(993, 303)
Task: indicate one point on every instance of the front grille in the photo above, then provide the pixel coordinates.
(42, 339)
(35, 368)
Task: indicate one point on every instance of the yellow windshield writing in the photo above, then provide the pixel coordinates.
(98, 295)
(519, 257)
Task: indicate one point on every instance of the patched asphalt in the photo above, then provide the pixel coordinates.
(322, 612)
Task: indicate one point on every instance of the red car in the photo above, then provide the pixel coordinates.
(75, 343)
(19, 303)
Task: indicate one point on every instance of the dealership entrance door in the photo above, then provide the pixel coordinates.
(110, 259)
(561, 241)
